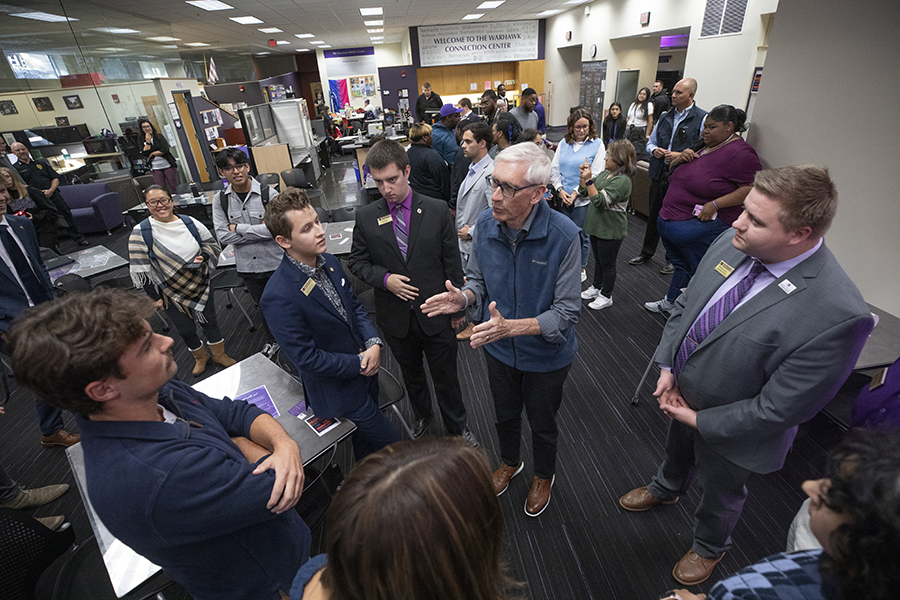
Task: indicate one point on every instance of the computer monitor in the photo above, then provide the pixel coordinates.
(376, 128)
(388, 119)
(318, 127)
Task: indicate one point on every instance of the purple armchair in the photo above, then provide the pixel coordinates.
(94, 206)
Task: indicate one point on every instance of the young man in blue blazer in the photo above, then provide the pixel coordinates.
(321, 326)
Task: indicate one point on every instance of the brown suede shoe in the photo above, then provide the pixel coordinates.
(466, 333)
(693, 568)
(60, 438)
(503, 474)
(639, 500)
(538, 496)
(51, 523)
(36, 497)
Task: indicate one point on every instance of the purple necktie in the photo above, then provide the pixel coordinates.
(715, 315)
(402, 231)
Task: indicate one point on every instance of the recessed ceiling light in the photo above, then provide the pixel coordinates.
(548, 13)
(374, 23)
(196, 44)
(172, 46)
(245, 20)
(303, 35)
(377, 37)
(381, 30)
(325, 46)
(42, 16)
(271, 30)
(262, 53)
(282, 43)
(577, 1)
(472, 17)
(114, 30)
(371, 12)
(317, 42)
(302, 49)
(209, 4)
(490, 5)
(164, 38)
(377, 43)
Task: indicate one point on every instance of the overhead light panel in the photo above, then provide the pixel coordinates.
(373, 43)
(197, 44)
(377, 37)
(271, 30)
(325, 46)
(490, 5)
(209, 4)
(381, 30)
(114, 30)
(303, 50)
(303, 35)
(548, 13)
(317, 42)
(42, 16)
(282, 43)
(472, 17)
(573, 2)
(374, 23)
(371, 12)
(163, 38)
(245, 20)
(262, 53)
(172, 46)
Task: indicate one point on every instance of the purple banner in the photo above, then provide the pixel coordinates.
(345, 52)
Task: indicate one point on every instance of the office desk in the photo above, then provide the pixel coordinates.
(90, 262)
(125, 567)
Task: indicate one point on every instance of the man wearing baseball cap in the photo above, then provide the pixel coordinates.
(443, 139)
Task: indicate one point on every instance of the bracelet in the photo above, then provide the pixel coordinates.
(716, 205)
(467, 300)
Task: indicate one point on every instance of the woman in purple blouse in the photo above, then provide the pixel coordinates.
(705, 196)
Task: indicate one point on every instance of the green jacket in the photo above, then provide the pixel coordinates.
(606, 217)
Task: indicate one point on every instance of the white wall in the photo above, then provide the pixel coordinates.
(824, 56)
(723, 66)
(640, 54)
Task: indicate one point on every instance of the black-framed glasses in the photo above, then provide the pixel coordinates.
(232, 168)
(507, 190)
(160, 202)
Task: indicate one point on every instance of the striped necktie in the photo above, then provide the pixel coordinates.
(401, 230)
(715, 315)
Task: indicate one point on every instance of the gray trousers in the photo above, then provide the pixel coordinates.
(722, 487)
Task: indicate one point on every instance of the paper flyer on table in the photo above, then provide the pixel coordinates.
(260, 398)
(322, 426)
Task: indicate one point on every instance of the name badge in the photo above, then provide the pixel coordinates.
(385, 219)
(724, 269)
(787, 286)
(308, 287)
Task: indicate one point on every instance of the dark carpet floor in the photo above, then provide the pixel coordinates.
(584, 545)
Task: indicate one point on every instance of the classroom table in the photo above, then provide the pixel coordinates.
(89, 262)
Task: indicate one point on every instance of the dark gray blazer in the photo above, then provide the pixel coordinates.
(774, 362)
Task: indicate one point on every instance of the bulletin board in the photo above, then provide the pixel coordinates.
(362, 87)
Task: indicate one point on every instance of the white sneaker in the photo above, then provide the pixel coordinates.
(660, 306)
(583, 276)
(600, 303)
(590, 293)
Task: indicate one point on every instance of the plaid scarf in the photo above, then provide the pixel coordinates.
(187, 288)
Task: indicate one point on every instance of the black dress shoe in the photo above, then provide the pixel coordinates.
(83, 242)
(639, 260)
(420, 426)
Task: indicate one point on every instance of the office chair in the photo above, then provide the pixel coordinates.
(28, 549)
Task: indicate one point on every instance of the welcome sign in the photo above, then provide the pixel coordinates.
(465, 43)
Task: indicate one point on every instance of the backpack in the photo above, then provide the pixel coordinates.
(147, 233)
(264, 192)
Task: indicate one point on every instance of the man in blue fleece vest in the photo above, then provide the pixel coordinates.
(204, 488)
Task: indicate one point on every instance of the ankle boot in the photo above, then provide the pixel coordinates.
(218, 354)
(201, 357)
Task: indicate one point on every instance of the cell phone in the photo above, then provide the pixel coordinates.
(22, 213)
(194, 265)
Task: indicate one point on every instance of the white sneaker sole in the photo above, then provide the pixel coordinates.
(549, 497)
(519, 470)
(607, 305)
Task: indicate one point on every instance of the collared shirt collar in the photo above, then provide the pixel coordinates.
(406, 205)
(513, 234)
(306, 269)
(780, 268)
(683, 113)
(475, 166)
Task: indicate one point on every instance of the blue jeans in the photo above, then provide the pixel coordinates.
(686, 242)
(49, 417)
(578, 215)
(374, 430)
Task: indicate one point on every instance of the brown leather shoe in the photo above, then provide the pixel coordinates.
(639, 500)
(60, 438)
(466, 333)
(538, 496)
(503, 474)
(36, 497)
(693, 568)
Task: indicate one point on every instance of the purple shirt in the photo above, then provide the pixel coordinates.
(709, 177)
(406, 207)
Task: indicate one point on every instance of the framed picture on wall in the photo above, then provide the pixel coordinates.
(8, 107)
(62, 121)
(73, 102)
(42, 104)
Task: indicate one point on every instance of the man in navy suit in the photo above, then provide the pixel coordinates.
(321, 326)
(24, 283)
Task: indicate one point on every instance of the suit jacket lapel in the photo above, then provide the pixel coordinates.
(316, 293)
(415, 220)
(386, 231)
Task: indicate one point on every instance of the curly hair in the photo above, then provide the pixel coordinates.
(575, 116)
(508, 127)
(865, 484)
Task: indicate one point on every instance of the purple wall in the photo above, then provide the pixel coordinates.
(391, 80)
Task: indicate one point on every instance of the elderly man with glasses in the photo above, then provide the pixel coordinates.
(523, 278)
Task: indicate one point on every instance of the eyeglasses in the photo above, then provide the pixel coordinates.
(581, 127)
(231, 169)
(161, 202)
(507, 190)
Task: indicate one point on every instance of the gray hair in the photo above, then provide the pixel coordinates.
(531, 158)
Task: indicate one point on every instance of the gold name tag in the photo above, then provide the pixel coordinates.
(385, 219)
(724, 269)
(308, 287)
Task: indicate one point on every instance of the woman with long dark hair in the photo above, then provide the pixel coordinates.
(614, 125)
(640, 121)
(35, 205)
(156, 149)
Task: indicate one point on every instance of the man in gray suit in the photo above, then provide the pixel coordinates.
(767, 331)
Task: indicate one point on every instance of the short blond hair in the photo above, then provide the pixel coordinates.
(418, 131)
(807, 195)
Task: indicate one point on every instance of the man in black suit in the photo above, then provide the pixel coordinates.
(404, 245)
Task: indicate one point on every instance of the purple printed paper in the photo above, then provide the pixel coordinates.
(298, 410)
(260, 398)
